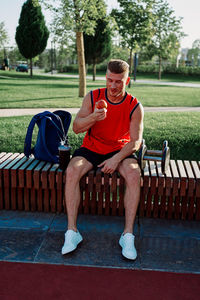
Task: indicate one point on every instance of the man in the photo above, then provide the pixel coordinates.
(113, 136)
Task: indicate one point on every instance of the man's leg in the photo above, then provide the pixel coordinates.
(130, 170)
(77, 167)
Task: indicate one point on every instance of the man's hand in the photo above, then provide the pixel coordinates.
(109, 165)
(99, 113)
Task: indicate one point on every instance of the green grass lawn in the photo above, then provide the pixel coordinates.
(180, 129)
(18, 90)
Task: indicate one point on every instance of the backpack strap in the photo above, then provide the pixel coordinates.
(28, 138)
(65, 117)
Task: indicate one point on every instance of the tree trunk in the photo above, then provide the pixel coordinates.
(31, 67)
(131, 64)
(160, 68)
(94, 71)
(81, 64)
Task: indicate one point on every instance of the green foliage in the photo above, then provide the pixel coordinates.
(169, 69)
(3, 34)
(75, 16)
(31, 33)
(98, 46)
(134, 24)
(193, 56)
(167, 32)
(119, 52)
(133, 20)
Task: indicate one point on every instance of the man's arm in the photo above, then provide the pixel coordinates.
(85, 118)
(136, 132)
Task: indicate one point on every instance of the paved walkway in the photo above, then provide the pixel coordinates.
(165, 245)
(32, 111)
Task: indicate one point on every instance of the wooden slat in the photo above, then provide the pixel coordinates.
(44, 175)
(82, 192)
(22, 171)
(5, 173)
(183, 177)
(14, 172)
(121, 195)
(86, 200)
(29, 173)
(33, 199)
(145, 190)
(161, 189)
(91, 189)
(153, 191)
(168, 193)
(196, 170)
(39, 195)
(4, 161)
(46, 200)
(91, 181)
(59, 188)
(176, 188)
(20, 198)
(191, 188)
(27, 206)
(99, 189)
(37, 173)
(107, 193)
(2, 154)
(114, 194)
(52, 176)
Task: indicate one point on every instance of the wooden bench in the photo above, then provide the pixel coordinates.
(33, 185)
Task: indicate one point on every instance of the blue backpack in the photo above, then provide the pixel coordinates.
(53, 128)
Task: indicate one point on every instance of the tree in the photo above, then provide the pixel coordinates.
(31, 33)
(3, 34)
(193, 54)
(196, 44)
(167, 33)
(134, 24)
(75, 16)
(98, 46)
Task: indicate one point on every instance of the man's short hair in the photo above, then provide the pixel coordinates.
(118, 66)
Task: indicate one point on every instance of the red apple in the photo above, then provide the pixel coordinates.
(101, 104)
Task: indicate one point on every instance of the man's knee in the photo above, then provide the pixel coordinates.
(131, 173)
(77, 168)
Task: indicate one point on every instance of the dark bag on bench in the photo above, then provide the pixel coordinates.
(53, 128)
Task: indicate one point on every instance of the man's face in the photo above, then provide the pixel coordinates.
(116, 84)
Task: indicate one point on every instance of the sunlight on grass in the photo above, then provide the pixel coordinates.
(20, 91)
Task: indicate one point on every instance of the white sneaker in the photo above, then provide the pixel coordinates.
(72, 239)
(127, 243)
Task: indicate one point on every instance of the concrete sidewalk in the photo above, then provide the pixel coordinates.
(165, 245)
(32, 111)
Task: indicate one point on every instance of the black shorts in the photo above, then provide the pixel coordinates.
(95, 158)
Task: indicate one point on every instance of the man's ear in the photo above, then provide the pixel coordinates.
(128, 80)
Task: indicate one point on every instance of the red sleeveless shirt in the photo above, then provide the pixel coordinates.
(112, 133)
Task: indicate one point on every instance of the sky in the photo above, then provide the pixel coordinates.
(189, 10)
